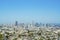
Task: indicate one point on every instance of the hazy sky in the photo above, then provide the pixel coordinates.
(46, 11)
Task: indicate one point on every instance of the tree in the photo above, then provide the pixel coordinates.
(1, 36)
(15, 39)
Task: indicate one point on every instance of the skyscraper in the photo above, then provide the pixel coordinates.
(16, 23)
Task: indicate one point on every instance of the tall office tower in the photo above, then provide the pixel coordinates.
(16, 23)
(37, 24)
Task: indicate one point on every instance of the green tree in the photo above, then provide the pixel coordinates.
(1, 36)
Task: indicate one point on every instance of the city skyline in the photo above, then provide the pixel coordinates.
(46, 11)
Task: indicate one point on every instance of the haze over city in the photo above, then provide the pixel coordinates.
(46, 11)
(29, 19)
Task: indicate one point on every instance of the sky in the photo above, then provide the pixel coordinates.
(45, 11)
